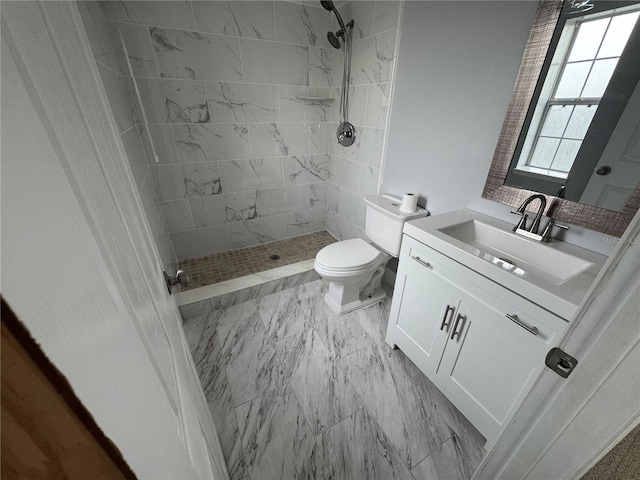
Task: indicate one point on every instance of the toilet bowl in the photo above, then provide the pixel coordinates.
(354, 268)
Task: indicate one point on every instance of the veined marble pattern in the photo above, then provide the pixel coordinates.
(249, 19)
(172, 13)
(238, 102)
(196, 56)
(318, 195)
(258, 173)
(322, 396)
(274, 63)
(308, 221)
(174, 101)
(281, 139)
(306, 169)
(302, 24)
(226, 208)
(276, 201)
(320, 67)
(188, 180)
(139, 50)
(205, 143)
(373, 58)
(254, 232)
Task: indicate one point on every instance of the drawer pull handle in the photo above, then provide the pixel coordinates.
(455, 327)
(444, 319)
(421, 262)
(514, 318)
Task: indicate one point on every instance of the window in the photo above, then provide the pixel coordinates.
(587, 55)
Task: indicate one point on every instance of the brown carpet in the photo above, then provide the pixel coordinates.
(621, 463)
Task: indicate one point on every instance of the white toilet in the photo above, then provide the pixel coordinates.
(354, 268)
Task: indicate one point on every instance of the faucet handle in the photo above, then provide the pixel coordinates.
(546, 234)
(522, 223)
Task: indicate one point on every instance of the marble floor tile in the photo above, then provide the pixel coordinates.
(233, 313)
(320, 385)
(298, 392)
(274, 433)
(207, 355)
(283, 314)
(341, 334)
(357, 448)
(403, 408)
(451, 461)
(252, 365)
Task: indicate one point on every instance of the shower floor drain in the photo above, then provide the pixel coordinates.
(274, 257)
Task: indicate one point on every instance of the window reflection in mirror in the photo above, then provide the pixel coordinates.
(584, 116)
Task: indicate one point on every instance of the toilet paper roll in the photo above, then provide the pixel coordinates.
(409, 203)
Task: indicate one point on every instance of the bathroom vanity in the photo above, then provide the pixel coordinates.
(477, 308)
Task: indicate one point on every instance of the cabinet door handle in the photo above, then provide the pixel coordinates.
(459, 320)
(421, 262)
(449, 309)
(514, 318)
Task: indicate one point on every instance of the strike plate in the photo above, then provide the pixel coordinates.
(560, 362)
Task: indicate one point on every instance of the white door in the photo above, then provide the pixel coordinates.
(622, 156)
(79, 266)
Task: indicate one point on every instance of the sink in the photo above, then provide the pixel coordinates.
(515, 254)
(554, 275)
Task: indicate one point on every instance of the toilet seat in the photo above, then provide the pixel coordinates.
(347, 257)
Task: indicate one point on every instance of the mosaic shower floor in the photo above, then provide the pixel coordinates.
(245, 261)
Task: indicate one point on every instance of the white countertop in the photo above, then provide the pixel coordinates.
(562, 299)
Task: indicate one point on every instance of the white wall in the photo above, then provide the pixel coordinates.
(457, 64)
(456, 68)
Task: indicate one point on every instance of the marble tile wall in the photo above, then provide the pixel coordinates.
(241, 160)
(129, 122)
(354, 172)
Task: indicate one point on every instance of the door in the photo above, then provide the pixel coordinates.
(79, 265)
(611, 188)
(423, 309)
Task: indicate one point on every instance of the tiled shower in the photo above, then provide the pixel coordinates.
(228, 150)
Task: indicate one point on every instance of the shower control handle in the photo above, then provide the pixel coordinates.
(181, 278)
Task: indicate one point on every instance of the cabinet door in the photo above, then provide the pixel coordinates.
(487, 365)
(422, 314)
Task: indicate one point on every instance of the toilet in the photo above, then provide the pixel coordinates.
(354, 268)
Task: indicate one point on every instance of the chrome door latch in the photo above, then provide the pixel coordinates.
(560, 362)
(181, 278)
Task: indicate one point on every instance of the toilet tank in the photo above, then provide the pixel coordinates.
(384, 222)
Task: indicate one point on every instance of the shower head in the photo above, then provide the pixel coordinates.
(328, 4)
(334, 37)
(333, 40)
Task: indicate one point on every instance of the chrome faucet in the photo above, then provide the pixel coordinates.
(532, 231)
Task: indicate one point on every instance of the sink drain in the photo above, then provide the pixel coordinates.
(274, 257)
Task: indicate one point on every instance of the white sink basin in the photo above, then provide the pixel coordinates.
(554, 275)
(516, 254)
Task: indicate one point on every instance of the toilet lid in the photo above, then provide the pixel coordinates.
(347, 255)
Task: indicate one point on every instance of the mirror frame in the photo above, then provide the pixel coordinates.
(588, 216)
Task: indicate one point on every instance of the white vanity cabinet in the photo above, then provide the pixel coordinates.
(479, 343)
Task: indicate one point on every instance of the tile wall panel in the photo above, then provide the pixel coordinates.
(105, 40)
(237, 145)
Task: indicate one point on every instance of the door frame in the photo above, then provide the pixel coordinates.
(61, 75)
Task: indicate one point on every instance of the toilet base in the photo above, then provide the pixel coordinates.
(363, 302)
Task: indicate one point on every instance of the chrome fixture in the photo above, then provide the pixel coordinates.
(181, 278)
(346, 132)
(334, 37)
(532, 231)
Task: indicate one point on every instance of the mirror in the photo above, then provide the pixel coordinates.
(579, 195)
